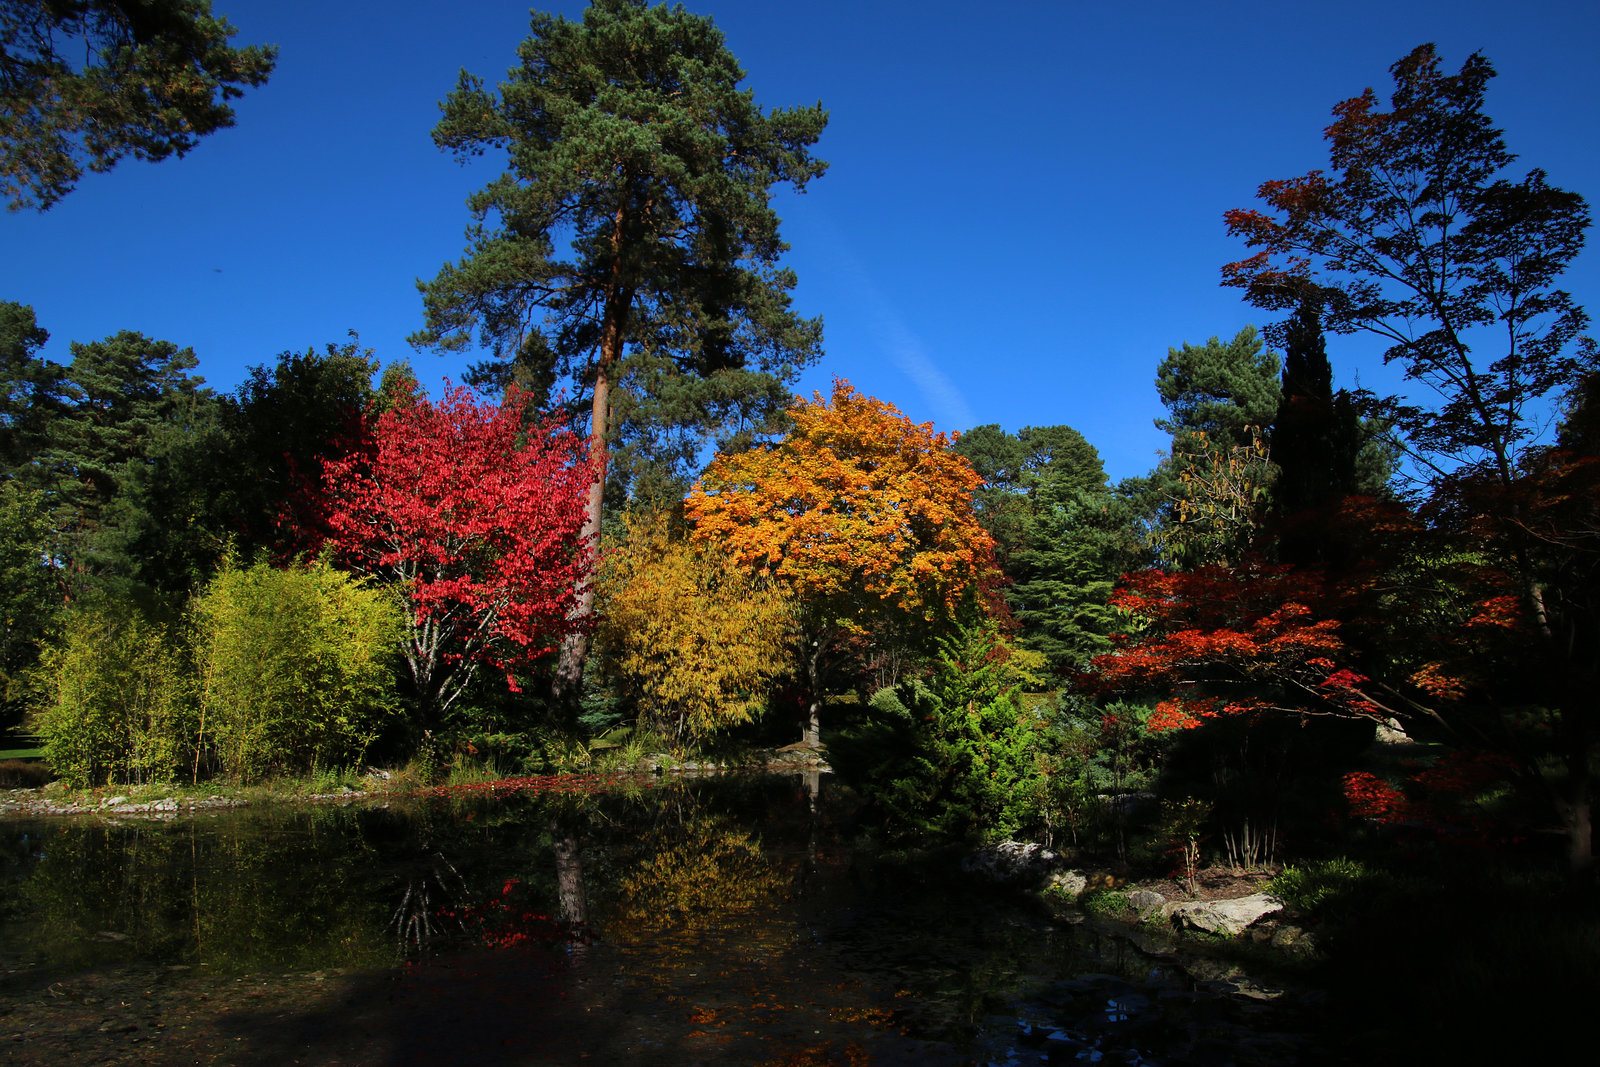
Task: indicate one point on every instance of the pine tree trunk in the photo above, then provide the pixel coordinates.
(575, 646)
(569, 875)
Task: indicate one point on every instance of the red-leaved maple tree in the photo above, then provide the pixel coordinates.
(475, 517)
(1420, 232)
(1238, 640)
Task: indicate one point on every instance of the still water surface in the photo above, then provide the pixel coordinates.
(724, 920)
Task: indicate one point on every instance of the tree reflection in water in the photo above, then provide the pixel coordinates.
(431, 907)
(697, 873)
(721, 920)
(569, 874)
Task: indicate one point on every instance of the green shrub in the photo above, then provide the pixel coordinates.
(955, 755)
(295, 667)
(1092, 753)
(117, 700)
(1325, 888)
(1109, 903)
(29, 600)
(325, 780)
(626, 748)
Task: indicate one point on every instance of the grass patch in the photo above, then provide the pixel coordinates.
(1329, 890)
(466, 771)
(626, 748)
(321, 782)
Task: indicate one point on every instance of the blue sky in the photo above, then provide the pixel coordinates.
(1023, 213)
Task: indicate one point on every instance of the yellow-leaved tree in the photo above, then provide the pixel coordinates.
(865, 516)
(695, 639)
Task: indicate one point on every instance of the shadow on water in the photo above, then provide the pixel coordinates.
(723, 920)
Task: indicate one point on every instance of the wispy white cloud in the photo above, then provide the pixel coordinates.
(903, 347)
(939, 393)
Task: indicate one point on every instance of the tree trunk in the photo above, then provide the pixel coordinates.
(1580, 836)
(1575, 703)
(813, 728)
(575, 646)
(569, 876)
(1575, 807)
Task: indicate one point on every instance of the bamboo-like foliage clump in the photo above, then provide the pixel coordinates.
(295, 667)
(117, 703)
(695, 639)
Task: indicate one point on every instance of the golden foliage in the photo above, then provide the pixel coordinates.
(858, 506)
(703, 875)
(696, 640)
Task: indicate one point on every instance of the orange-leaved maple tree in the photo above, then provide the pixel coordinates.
(866, 516)
(474, 516)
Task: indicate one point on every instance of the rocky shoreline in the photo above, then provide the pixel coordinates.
(36, 802)
(1230, 917)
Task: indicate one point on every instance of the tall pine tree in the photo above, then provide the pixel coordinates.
(132, 396)
(629, 254)
(33, 391)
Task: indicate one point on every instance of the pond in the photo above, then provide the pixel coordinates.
(728, 919)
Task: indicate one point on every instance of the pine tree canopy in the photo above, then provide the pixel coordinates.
(94, 81)
(629, 253)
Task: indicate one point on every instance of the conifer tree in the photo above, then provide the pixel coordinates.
(1219, 389)
(1222, 399)
(126, 401)
(1321, 446)
(629, 253)
(33, 391)
(1062, 536)
(95, 81)
(1317, 436)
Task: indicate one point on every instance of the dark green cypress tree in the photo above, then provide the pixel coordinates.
(1305, 442)
(1324, 450)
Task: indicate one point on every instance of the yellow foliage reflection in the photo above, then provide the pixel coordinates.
(700, 876)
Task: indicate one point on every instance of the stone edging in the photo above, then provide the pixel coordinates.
(1032, 867)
